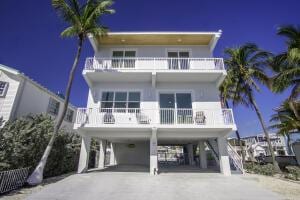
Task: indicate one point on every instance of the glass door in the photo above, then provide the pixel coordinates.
(167, 108)
(184, 112)
(123, 59)
(178, 60)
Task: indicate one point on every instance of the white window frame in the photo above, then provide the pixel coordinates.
(48, 109)
(3, 93)
(67, 115)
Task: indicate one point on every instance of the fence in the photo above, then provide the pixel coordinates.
(12, 179)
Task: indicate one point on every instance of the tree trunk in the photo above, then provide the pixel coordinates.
(293, 108)
(289, 143)
(275, 164)
(37, 175)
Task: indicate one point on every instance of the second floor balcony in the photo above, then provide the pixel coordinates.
(160, 118)
(156, 69)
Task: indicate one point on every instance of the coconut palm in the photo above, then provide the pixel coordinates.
(82, 20)
(245, 70)
(287, 66)
(285, 122)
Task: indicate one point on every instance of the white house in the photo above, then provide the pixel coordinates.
(259, 146)
(149, 89)
(20, 96)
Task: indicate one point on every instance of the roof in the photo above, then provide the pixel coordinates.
(18, 73)
(157, 38)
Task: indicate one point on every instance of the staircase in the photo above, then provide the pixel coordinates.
(236, 159)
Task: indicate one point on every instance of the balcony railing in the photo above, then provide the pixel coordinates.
(146, 117)
(140, 63)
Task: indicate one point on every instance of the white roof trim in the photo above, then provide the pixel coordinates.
(18, 73)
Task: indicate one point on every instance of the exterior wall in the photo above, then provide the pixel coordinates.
(139, 155)
(7, 102)
(204, 95)
(155, 51)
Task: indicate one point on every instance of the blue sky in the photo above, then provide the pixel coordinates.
(30, 42)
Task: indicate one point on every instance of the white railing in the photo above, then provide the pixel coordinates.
(141, 63)
(163, 116)
(236, 158)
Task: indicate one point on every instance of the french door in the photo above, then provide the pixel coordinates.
(123, 59)
(175, 108)
(178, 60)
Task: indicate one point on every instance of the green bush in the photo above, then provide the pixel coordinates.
(267, 169)
(293, 172)
(23, 141)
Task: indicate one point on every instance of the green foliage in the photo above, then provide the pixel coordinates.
(267, 169)
(83, 19)
(293, 173)
(23, 141)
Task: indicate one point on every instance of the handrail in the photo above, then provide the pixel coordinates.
(163, 116)
(236, 158)
(153, 63)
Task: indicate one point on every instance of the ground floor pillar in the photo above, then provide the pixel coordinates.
(112, 157)
(223, 156)
(153, 152)
(202, 155)
(84, 154)
(190, 154)
(102, 151)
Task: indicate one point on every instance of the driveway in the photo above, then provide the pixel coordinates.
(113, 185)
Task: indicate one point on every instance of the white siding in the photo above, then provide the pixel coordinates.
(7, 102)
(155, 51)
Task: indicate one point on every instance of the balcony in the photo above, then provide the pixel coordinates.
(154, 69)
(147, 118)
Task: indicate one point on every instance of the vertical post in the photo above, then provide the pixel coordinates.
(153, 152)
(202, 155)
(84, 154)
(223, 156)
(112, 158)
(102, 150)
(190, 154)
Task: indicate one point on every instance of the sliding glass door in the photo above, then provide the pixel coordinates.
(178, 60)
(123, 59)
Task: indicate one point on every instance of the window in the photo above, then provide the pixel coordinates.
(178, 60)
(123, 59)
(53, 107)
(3, 88)
(69, 115)
(121, 101)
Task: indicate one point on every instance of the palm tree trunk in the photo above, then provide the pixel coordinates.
(289, 143)
(292, 106)
(275, 164)
(37, 175)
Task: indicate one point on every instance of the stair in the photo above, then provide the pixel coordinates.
(235, 159)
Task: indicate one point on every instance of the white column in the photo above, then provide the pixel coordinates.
(202, 155)
(84, 154)
(190, 154)
(102, 150)
(153, 152)
(223, 156)
(112, 158)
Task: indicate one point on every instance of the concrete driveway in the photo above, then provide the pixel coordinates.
(112, 185)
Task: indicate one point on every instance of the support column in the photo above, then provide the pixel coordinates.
(202, 155)
(84, 154)
(112, 158)
(191, 154)
(153, 152)
(102, 150)
(223, 156)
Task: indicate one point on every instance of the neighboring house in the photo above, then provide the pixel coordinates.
(20, 96)
(259, 146)
(150, 89)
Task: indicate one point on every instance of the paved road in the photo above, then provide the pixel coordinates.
(141, 186)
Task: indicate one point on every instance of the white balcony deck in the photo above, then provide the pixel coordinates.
(98, 118)
(159, 69)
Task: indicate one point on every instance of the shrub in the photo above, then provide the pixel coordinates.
(293, 172)
(23, 141)
(267, 169)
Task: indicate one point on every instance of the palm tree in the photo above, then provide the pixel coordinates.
(82, 20)
(285, 122)
(245, 69)
(287, 66)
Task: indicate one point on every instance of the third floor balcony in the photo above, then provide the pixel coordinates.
(154, 69)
